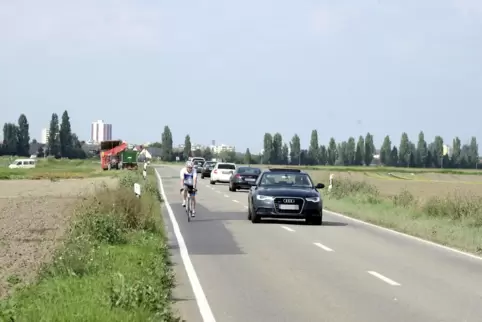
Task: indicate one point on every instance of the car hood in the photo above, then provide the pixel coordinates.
(287, 192)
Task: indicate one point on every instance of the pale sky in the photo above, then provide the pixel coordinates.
(232, 70)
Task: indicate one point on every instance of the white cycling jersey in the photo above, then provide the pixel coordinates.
(188, 177)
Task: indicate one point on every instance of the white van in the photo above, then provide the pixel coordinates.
(23, 164)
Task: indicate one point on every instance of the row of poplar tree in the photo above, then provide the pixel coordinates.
(62, 142)
(361, 152)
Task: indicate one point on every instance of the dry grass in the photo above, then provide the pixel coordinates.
(422, 186)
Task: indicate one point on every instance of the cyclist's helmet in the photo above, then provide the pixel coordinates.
(189, 164)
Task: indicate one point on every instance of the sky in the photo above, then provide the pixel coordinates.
(232, 70)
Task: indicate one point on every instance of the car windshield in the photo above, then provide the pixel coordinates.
(286, 179)
(200, 163)
(247, 170)
(210, 164)
(226, 166)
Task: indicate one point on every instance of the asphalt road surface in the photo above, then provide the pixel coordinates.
(229, 269)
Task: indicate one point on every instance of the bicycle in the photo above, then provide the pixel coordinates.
(190, 192)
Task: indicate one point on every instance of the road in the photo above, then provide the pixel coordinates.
(277, 271)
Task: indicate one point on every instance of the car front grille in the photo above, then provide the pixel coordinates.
(288, 201)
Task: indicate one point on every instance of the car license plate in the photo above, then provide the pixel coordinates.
(226, 172)
(289, 207)
(250, 179)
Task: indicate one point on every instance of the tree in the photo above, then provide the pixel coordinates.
(166, 152)
(65, 136)
(422, 151)
(385, 151)
(53, 141)
(360, 151)
(369, 149)
(456, 153)
(198, 153)
(295, 149)
(207, 154)
(10, 139)
(350, 151)
(268, 148)
(394, 157)
(437, 151)
(277, 156)
(314, 149)
(404, 150)
(23, 137)
(323, 155)
(332, 152)
(284, 154)
(247, 157)
(187, 147)
(474, 152)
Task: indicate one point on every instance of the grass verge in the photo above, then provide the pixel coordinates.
(114, 265)
(54, 169)
(454, 220)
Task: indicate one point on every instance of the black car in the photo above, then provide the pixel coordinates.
(198, 165)
(243, 178)
(285, 193)
(208, 166)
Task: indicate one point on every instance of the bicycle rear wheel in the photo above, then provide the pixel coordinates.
(188, 208)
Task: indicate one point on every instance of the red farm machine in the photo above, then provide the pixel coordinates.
(116, 155)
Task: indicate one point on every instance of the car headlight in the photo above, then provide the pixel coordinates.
(313, 199)
(264, 198)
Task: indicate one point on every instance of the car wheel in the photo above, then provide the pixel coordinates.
(212, 182)
(249, 212)
(202, 176)
(230, 188)
(234, 188)
(254, 217)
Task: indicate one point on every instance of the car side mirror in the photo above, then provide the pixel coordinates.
(320, 186)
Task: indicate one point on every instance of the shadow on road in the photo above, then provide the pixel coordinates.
(301, 222)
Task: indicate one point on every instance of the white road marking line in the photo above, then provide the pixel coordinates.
(427, 242)
(201, 300)
(226, 196)
(246, 207)
(235, 201)
(208, 186)
(328, 249)
(288, 228)
(383, 278)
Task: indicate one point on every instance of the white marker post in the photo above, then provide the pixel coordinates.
(137, 190)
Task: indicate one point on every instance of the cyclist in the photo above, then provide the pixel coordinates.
(188, 183)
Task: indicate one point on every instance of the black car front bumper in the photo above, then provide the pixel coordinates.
(274, 208)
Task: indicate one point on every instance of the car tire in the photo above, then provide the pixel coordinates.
(202, 176)
(212, 182)
(254, 218)
(234, 188)
(230, 189)
(249, 212)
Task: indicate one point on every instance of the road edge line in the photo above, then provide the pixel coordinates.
(425, 241)
(201, 300)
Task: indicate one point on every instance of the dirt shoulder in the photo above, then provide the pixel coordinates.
(34, 216)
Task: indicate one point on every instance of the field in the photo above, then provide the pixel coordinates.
(54, 169)
(82, 249)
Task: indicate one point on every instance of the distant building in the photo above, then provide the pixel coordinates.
(44, 137)
(100, 131)
(447, 150)
(221, 148)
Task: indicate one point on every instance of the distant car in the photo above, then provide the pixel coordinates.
(285, 193)
(222, 172)
(243, 178)
(23, 164)
(198, 165)
(207, 168)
